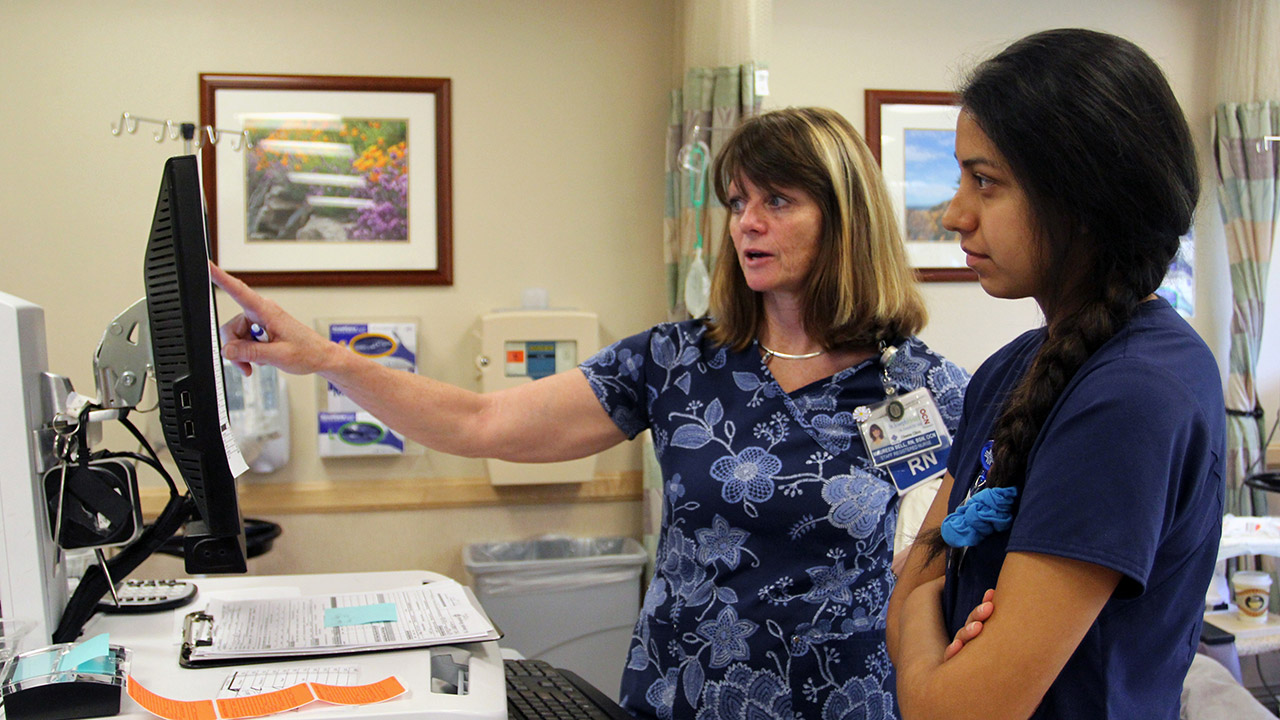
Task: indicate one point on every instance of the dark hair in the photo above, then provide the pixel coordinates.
(860, 289)
(1091, 131)
(1093, 134)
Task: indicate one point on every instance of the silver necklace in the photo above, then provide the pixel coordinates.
(770, 354)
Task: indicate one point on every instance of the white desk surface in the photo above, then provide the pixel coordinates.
(154, 640)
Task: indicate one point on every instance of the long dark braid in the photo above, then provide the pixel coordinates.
(1094, 136)
(1070, 342)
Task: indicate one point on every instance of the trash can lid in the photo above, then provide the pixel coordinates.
(550, 552)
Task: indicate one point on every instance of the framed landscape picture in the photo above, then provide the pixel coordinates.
(912, 134)
(341, 180)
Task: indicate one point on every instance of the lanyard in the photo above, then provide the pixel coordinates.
(887, 354)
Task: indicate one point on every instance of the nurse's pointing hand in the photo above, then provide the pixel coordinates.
(291, 345)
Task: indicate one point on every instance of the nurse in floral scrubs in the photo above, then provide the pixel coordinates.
(773, 568)
(773, 565)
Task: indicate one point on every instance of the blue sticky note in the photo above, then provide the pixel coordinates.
(359, 614)
(94, 648)
(105, 665)
(33, 666)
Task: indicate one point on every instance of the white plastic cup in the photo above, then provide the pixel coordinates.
(1253, 592)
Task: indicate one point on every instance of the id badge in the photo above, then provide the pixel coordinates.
(902, 428)
(918, 469)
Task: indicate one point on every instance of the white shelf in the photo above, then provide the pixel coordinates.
(1252, 638)
(1249, 536)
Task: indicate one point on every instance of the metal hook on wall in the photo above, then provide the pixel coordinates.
(172, 130)
(129, 123)
(213, 135)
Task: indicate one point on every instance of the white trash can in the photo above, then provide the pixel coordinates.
(569, 601)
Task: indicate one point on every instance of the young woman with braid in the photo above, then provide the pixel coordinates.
(1085, 481)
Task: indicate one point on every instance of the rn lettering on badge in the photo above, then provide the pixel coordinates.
(920, 468)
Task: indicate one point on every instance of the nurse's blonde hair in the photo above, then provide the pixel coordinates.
(860, 289)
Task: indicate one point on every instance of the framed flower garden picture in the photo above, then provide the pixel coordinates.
(341, 180)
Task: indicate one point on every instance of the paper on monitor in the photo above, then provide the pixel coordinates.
(235, 460)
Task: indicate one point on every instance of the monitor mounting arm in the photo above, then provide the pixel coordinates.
(120, 368)
(123, 359)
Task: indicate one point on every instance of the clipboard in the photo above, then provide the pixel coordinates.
(255, 631)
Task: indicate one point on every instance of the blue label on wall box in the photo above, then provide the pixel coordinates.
(373, 345)
(356, 434)
(361, 433)
(540, 359)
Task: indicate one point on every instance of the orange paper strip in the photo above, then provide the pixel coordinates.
(269, 703)
(170, 709)
(358, 694)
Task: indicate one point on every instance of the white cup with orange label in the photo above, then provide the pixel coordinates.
(1253, 591)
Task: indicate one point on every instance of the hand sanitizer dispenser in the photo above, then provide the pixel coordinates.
(520, 346)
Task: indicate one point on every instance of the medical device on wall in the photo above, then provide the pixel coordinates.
(519, 346)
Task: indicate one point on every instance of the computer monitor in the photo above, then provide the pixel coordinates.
(187, 357)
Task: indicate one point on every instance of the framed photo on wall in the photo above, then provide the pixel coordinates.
(341, 180)
(912, 135)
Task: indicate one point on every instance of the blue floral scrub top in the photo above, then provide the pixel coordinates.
(773, 566)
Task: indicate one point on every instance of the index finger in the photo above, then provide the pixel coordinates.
(233, 286)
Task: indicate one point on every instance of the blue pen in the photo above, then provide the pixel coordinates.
(259, 333)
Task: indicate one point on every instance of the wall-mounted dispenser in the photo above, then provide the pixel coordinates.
(519, 346)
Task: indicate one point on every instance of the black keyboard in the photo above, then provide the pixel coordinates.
(538, 691)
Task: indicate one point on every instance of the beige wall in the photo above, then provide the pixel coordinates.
(558, 114)
(828, 52)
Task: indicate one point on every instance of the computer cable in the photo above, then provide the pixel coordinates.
(96, 582)
(142, 440)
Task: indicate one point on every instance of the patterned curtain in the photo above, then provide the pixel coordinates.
(722, 43)
(1249, 198)
(708, 108)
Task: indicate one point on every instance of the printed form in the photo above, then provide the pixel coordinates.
(434, 614)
